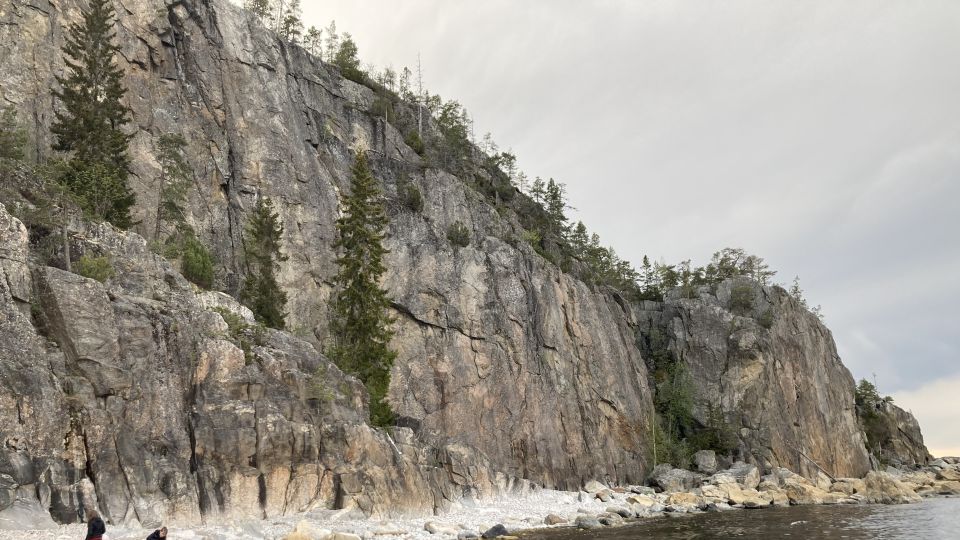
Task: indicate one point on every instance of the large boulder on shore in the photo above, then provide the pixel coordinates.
(671, 480)
(883, 487)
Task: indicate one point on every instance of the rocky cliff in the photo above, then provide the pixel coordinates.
(136, 393)
(137, 398)
(771, 369)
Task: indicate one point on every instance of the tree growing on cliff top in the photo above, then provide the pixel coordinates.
(261, 292)
(291, 25)
(361, 325)
(88, 123)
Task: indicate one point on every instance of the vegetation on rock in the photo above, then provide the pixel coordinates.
(261, 292)
(88, 125)
(361, 324)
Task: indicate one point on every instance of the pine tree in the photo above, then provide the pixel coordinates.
(89, 121)
(538, 191)
(361, 328)
(347, 60)
(797, 293)
(291, 26)
(556, 201)
(260, 8)
(261, 292)
(333, 41)
(313, 41)
(12, 136)
(174, 182)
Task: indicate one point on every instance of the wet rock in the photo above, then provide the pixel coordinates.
(587, 522)
(553, 519)
(605, 495)
(620, 511)
(610, 520)
(495, 531)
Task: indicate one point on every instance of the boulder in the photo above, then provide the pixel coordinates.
(587, 522)
(610, 520)
(848, 486)
(620, 511)
(684, 499)
(705, 461)
(553, 519)
(951, 473)
(882, 487)
(594, 487)
(672, 480)
(641, 500)
(434, 527)
(495, 531)
(745, 474)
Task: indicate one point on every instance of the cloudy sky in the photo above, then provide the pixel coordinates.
(824, 136)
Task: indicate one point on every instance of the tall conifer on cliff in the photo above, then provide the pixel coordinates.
(261, 292)
(88, 123)
(361, 324)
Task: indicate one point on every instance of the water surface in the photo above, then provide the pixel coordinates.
(931, 519)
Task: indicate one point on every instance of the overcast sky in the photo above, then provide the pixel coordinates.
(824, 136)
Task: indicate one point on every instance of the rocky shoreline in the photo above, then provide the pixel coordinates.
(671, 490)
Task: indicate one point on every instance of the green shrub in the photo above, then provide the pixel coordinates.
(410, 197)
(383, 107)
(414, 141)
(741, 299)
(197, 264)
(244, 335)
(458, 234)
(98, 268)
(766, 320)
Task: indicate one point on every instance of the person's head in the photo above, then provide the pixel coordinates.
(163, 532)
(92, 516)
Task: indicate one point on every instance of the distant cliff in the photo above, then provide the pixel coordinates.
(508, 367)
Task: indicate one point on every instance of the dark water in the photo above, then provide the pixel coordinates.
(932, 518)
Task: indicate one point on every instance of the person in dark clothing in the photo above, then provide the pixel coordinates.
(95, 527)
(159, 534)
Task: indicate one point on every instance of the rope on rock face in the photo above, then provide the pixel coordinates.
(815, 464)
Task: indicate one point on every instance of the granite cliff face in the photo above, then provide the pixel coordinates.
(772, 369)
(136, 392)
(136, 398)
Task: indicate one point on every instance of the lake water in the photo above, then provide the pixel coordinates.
(931, 519)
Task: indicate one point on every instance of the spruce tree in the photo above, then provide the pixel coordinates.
(261, 292)
(12, 137)
(88, 123)
(174, 182)
(361, 327)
